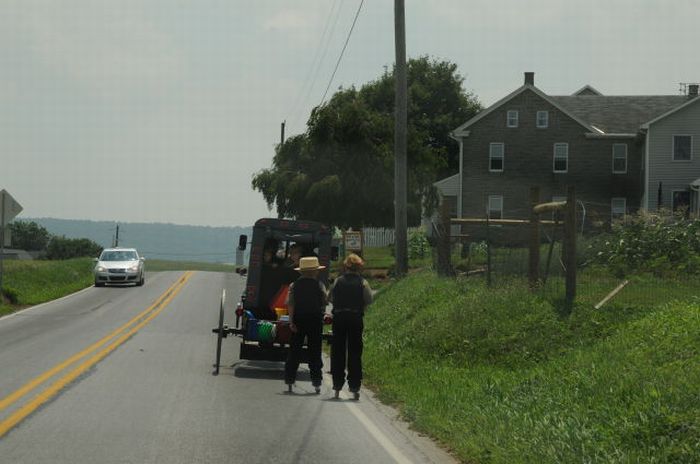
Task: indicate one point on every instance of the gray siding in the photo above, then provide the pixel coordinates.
(674, 175)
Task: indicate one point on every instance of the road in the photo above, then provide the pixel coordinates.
(124, 375)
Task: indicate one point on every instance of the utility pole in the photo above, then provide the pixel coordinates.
(400, 131)
(2, 238)
(282, 133)
(116, 240)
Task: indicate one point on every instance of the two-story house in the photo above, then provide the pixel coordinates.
(595, 142)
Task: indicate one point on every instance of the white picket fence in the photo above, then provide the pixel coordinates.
(376, 237)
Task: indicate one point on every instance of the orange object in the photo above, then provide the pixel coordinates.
(281, 312)
(280, 298)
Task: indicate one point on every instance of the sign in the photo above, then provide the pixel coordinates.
(352, 240)
(9, 208)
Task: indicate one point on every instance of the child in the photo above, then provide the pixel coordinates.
(306, 303)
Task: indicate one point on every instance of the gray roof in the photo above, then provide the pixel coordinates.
(618, 114)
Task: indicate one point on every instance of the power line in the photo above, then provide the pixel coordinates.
(337, 64)
(316, 62)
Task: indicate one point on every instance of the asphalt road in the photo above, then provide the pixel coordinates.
(124, 375)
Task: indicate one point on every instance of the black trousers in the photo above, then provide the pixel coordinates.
(309, 328)
(347, 344)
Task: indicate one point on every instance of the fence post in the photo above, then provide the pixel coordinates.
(444, 258)
(488, 251)
(570, 246)
(534, 268)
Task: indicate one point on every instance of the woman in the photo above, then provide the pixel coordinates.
(350, 295)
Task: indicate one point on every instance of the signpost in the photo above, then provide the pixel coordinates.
(9, 208)
(352, 241)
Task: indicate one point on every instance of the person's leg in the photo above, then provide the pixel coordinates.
(315, 340)
(292, 364)
(338, 351)
(355, 346)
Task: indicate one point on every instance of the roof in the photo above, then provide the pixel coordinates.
(619, 114)
(586, 90)
(448, 186)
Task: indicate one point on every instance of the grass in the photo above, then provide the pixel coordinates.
(33, 282)
(501, 376)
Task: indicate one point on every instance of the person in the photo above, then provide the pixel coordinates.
(350, 295)
(306, 304)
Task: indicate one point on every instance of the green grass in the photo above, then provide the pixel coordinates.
(501, 376)
(34, 282)
(157, 265)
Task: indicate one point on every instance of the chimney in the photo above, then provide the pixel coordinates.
(693, 90)
(529, 78)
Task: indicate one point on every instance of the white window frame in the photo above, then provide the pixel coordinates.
(613, 158)
(545, 124)
(492, 156)
(489, 209)
(616, 214)
(512, 118)
(673, 195)
(554, 158)
(673, 148)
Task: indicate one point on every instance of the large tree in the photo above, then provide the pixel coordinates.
(28, 235)
(341, 170)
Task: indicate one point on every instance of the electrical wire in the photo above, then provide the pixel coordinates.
(337, 64)
(316, 62)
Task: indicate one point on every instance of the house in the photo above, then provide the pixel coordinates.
(599, 144)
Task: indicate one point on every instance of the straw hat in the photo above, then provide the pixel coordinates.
(309, 263)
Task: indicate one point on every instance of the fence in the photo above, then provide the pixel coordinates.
(376, 237)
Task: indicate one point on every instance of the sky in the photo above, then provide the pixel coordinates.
(163, 110)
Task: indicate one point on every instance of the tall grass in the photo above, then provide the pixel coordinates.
(502, 376)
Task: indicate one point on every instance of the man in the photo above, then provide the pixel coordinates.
(350, 295)
(306, 304)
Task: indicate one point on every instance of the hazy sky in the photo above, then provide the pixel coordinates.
(162, 110)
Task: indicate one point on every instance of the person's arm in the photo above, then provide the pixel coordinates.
(366, 293)
(290, 308)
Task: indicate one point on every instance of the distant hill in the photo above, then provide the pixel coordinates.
(156, 240)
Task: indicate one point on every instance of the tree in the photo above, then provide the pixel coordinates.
(28, 235)
(340, 171)
(67, 248)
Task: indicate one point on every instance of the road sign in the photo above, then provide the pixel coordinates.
(9, 208)
(352, 239)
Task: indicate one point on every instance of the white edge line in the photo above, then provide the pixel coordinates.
(8, 316)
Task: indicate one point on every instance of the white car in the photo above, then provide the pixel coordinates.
(119, 266)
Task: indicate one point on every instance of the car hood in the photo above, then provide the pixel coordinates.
(117, 264)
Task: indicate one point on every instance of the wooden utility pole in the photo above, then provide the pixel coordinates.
(116, 240)
(400, 132)
(282, 132)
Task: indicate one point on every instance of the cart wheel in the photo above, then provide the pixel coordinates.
(220, 334)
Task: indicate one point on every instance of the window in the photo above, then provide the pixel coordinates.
(618, 208)
(495, 207)
(496, 157)
(542, 119)
(681, 200)
(682, 147)
(561, 157)
(619, 164)
(512, 118)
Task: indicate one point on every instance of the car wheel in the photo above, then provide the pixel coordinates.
(142, 281)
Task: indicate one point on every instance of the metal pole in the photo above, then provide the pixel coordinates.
(400, 131)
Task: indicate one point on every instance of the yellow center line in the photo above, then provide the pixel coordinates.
(25, 389)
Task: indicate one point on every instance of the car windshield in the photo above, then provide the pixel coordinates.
(119, 256)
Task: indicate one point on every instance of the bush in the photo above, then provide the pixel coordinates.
(418, 245)
(28, 235)
(67, 248)
(11, 295)
(656, 243)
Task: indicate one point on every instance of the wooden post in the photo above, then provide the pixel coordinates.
(534, 269)
(488, 251)
(570, 246)
(444, 262)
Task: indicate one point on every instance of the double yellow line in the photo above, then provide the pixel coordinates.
(119, 336)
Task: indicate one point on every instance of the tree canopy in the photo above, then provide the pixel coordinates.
(341, 170)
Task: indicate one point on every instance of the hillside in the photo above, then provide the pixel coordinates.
(159, 241)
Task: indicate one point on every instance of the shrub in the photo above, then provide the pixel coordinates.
(418, 245)
(67, 248)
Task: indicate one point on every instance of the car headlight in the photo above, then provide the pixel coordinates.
(100, 269)
(134, 268)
